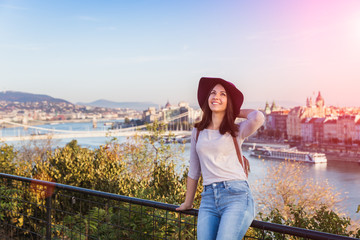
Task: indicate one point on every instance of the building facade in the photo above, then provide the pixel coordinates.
(318, 130)
(357, 131)
(346, 127)
(330, 130)
(307, 130)
(276, 120)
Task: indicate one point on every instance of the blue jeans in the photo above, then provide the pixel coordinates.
(226, 211)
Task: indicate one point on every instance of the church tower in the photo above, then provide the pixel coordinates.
(320, 101)
(273, 106)
(267, 108)
(309, 102)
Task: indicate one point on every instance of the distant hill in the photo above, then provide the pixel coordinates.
(13, 96)
(109, 104)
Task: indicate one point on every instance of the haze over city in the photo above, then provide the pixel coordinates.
(157, 50)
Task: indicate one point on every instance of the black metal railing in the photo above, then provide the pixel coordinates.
(35, 209)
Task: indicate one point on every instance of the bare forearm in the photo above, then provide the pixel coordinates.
(191, 187)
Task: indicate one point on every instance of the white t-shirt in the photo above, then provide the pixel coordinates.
(214, 155)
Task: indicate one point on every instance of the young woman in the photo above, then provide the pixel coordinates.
(227, 206)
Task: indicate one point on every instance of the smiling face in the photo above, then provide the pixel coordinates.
(218, 99)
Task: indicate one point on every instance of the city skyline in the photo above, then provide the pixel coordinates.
(152, 51)
(15, 97)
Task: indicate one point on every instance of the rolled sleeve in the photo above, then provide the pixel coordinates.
(194, 168)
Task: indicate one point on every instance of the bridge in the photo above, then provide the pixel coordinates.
(60, 134)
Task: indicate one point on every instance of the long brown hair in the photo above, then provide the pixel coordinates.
(227, 124)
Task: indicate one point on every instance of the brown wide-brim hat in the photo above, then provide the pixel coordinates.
(206, 84)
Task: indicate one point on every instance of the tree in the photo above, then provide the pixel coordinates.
(163, 163)
(7, 156)
(287, 185)
(31, 153)
(287, 196)
(144, 167)
(323, 220)
(271, 133)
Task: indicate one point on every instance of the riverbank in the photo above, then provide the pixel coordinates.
(342, 158)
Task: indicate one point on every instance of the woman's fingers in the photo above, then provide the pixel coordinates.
(183, 207)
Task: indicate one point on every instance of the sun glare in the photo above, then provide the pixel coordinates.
(355, 26)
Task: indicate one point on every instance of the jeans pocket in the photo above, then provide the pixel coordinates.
(238, 187)
(207, 191)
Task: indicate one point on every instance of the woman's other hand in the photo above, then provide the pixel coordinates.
(184, 206)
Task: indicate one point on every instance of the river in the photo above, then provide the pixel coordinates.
(343, 176)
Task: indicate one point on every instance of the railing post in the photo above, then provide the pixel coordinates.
(48, 205)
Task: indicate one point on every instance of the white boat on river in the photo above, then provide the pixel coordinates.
(288, 154)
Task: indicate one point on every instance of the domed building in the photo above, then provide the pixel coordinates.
(168, 105)
(297, 114)
(320, 103)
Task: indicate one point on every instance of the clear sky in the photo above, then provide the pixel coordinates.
(149, 50)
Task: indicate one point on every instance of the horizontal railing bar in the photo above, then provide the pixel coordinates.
(299, 232)
(294, 231)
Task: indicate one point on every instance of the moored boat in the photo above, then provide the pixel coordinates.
(289, 154)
